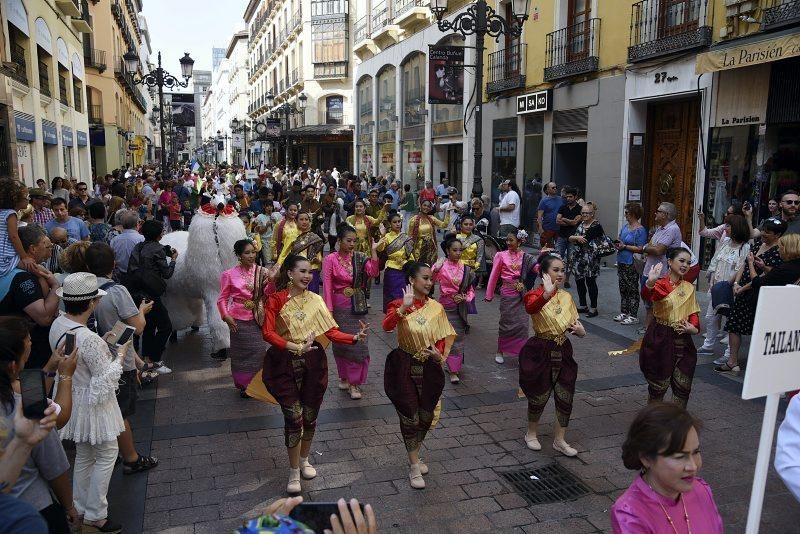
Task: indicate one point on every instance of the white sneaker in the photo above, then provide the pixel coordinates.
(619, 318)
(343, 385)
(306, 469)
(454, 379)
(162, 369)
(294, 481)
(721, 360)
(499, 358)
(415, 477)
(630, 319)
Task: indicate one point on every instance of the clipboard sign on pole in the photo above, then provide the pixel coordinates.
(773, 367)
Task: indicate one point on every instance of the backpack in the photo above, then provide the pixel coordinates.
(91, 323)
(146, 280)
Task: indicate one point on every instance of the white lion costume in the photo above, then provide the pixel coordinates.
(204, 252)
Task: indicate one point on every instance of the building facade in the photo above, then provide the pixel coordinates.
(118, 109)
(47, 88)
(238, 97)
(302, 47)
(201, 82)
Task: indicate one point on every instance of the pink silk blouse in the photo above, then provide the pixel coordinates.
(507, 268)
(449, 278)
(233, 292)
(335, 278)
(637, 511)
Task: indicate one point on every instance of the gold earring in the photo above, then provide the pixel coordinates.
(291, 281)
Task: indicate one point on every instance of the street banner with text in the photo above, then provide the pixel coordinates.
(446, 74)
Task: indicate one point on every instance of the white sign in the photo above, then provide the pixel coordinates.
(77, 66)
(63, 54)
(634, 195)
(773, 363)
(251, 174)
(43, 37)
(238, 140)
(15, 11)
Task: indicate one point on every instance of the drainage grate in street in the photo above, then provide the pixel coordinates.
(549, 484)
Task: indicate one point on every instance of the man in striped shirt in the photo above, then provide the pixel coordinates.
(39, 200)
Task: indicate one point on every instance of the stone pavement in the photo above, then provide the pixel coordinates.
(222, 457)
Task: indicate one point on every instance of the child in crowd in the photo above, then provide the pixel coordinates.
(13, 197)
(187, 213)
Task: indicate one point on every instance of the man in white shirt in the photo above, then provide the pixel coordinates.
(509, 209)
(787, 449)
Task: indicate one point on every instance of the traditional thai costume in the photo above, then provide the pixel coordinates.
(511, 268)
(344, 279)
(413, 382)
(455, 278)
(285, 233)
(310, 245)
(298, 381)
(667, 357)
(546, 364)
(641, 509)
(364, 226)
(473, 253)
(397, 248)
(422, 229)
(241, 291)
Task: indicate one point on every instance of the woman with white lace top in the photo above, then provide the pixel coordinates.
(96, 419)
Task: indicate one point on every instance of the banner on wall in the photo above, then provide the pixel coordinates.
(415, 157)
(445, 74)
(183, 109)
(273, 128)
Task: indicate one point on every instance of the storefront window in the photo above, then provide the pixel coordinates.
(413, 162)
(386, 163)
(366, 126)
(504, 164)
(414, 91)
(387, 98)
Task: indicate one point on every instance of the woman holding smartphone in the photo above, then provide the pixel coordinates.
(414, 377)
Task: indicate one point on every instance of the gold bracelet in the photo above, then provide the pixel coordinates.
(64, 378)
(399, 313)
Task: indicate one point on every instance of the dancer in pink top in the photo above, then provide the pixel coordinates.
(344, 280)
(457, 297)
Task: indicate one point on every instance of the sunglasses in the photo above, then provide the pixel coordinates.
(791, 202)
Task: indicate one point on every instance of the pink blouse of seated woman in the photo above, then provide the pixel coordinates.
(667, 496)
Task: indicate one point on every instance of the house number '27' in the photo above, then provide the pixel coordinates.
(662, 77)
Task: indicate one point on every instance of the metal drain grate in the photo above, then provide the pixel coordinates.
(549, 484)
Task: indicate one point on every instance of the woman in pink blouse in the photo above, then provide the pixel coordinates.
(512, 266)
(241, 296)
(345, 296)
(667, 496)
(457, 297)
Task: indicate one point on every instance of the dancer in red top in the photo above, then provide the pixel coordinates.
(299, 326)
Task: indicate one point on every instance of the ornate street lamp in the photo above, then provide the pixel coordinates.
(286, 109)
(480, 20)
(159, 78)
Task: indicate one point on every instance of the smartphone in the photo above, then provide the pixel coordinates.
(125, 336)
(317, 515)
(34, 393)
(69, 343)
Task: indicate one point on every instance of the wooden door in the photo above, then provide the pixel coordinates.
(578, 29)
(672, 136)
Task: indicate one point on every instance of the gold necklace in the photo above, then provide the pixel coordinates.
(669, 518)
(299, 314)
(346, 264)
(248, 277)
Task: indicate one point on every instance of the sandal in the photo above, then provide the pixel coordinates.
(583, 309)
(143, 463)
(726, 368)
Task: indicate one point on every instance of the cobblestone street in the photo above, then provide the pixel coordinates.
(222, 457)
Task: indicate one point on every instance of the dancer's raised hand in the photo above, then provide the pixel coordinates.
(654, 274)
(549, 286)
(408, 296)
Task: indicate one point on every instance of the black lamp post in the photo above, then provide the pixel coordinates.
(159, 78)
(286, 109)
(480, 20)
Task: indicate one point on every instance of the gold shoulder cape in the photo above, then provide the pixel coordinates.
(302, 315)
(424, 327)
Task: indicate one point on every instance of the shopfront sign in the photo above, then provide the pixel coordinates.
(25, 128)
(387, 157)
(742, 96)
(49, 133)
(535, 102)
(756, 53)
(447, 128)
(415, 157)
(67, 138)
(82, 138)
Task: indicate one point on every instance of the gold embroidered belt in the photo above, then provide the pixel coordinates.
(249, 304)
(558, 338)
(674, 325)
(347, 292)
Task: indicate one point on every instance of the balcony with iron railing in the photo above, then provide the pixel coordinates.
(295, 79)
(408, 13)
(116, 12)
(95, 59)
(507, 69)
(780, 13)
(95, 114)
(70, 8)
(20, 73)
(572, 50)
(81, 22)
(381, 16)
(328, 8)
(362, 29)
(330, 70)
(44, 79)
(659, 28)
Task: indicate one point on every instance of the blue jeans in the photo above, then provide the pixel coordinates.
(562, 246)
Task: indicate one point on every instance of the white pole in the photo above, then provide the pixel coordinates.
(762, 463)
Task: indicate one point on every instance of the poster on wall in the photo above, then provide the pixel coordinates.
(415, 157)
(387, 157)
(182, 109)
(446, 74)
(273, 128)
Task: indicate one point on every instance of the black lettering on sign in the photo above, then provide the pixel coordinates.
(781, 342)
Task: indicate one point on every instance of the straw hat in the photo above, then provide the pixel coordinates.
(78, 287)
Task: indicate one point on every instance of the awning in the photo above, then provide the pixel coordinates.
(749, 51)
(321, 130)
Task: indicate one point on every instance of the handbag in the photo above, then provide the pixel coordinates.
(638, 263)
(147, 280)
(604, 246)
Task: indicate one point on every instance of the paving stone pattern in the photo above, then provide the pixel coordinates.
(222, 457)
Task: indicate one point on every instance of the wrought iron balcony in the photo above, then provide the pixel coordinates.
(330, 70)
(44, 79)
(381, 16)
(507, 69)
(95, 114)
(780, 13)
(95, 59)
(408, 13)
(363, 29)
(18, 58)
(328, 8)
(116, 11)
(660, 27)
(68, 7)
(572, 50)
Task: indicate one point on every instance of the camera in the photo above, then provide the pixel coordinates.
(168, 250)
